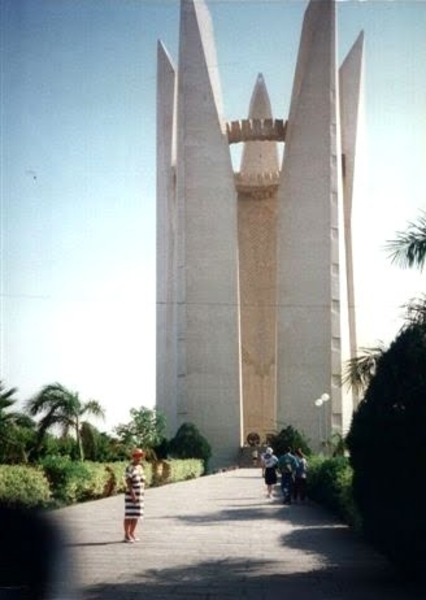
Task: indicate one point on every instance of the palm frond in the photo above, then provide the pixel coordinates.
(6, 403)
(408, 249)
(7, 394)
(92, 407)
(359, 370)
(415, 312)
(49, 395)
(60, 408)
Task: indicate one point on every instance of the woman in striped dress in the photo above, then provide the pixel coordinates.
(134, 497)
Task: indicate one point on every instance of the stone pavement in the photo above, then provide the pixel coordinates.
(220, 538)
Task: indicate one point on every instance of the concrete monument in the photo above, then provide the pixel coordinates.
(255, 288)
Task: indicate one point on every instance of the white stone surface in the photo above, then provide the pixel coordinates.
(166, 240)
(308, 247)
(351, 85)
(209, 380)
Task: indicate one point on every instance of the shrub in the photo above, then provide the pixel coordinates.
(171, 471)
(330, 484)
(288, 436)
(23, 486)
(387, 446)
(75, 481)
(59, 481)
(117, 471)
(162, 449)
(67, 478)
(189, 443)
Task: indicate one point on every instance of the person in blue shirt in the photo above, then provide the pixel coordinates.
(300, 477)
(287, 465)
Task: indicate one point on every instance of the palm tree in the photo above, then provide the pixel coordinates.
(359, 370)
(62, 408)
(8, 417)
(408, 249)
(12, 426)
(6, 401)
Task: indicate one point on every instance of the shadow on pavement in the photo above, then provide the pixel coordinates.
(235, 579)
(81, 544)
(350, 569)
(342, 567)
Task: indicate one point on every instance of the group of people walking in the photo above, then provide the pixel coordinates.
(292, 467)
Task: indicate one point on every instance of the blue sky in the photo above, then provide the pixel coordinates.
(78, 88)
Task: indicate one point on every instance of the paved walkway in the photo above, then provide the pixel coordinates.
(219, 538)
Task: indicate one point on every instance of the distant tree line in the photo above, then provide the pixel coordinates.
(56, 422)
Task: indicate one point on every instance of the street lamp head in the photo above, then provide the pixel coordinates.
(325, 397)
(318, 402)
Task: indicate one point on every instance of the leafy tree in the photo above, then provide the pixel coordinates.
(17, 443)
(63, 409)
(110, 448)
(89, 439)
(100, 446)
(146, 429)
(387, 445)
(52, 445)
(190, 443)
(390, 422)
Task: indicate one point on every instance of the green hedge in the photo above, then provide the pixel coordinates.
(75, 481)
(60, 481)
(24, 486)
(171, 471)
(330, 484)
(69, 480)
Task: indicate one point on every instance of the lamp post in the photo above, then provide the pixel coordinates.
(325, 398)
(319, 403)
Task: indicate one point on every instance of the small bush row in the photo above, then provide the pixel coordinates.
(26, 486)
(330, 484)
(171, 471)
(60, 481)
